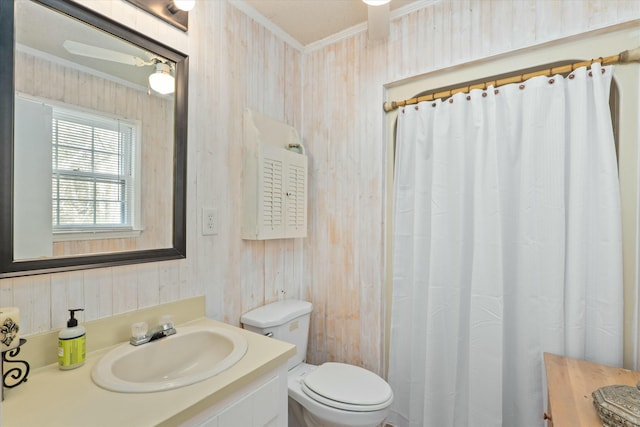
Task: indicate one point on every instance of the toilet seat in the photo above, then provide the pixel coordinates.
(347, 387)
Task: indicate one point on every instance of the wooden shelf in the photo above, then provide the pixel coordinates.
(570, 383)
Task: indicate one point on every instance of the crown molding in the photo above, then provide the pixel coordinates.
(260, 19)
(344, 34)
(357, 29)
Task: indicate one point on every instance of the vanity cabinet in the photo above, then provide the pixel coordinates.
(570, 383)
(252, 392)
(261, 403)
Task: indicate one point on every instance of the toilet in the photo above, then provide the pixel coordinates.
(329, 395)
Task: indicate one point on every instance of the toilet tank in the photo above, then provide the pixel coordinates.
(286, 320)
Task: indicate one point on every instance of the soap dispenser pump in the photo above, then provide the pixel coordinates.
(72, 348)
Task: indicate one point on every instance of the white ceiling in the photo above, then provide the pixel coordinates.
(309, 21)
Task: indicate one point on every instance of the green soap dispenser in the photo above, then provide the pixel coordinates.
(72, 349)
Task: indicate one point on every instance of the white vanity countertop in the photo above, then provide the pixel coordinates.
(52, 397)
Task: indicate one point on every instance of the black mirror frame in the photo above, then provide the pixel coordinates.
(11, 268)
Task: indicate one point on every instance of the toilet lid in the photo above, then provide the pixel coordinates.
(347, 387)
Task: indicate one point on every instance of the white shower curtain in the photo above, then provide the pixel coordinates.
(507, 244)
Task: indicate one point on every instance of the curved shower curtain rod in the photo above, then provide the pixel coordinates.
(625, 57)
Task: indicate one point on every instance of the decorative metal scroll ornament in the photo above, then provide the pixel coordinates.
(18, 369)
(618, 405)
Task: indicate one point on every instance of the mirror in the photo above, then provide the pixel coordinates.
(92, 151)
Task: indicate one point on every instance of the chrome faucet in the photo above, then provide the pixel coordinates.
(140, 333)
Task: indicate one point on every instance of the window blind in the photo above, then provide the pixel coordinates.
(92, 171)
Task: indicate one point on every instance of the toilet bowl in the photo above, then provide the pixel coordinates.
(317, 410)
(328, 395)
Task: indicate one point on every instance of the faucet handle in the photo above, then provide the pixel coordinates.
(166, 322)
(139, 330)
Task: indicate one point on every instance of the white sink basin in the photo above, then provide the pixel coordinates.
(193, 354)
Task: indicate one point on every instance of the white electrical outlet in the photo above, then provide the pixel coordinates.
(209, 221)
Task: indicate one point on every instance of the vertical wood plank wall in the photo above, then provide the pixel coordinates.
(332, 94)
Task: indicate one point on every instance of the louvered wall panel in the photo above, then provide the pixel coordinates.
(296, 196)
(275, 196)
(272, 195)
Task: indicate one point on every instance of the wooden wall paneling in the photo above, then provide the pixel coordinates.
(392, 46)
(435, 41)
(24, 79)
(363, 231)
(125, 289)
(334, 287)
(274, 270)
(251, 292)
(169, 281)
(258, 96)
(271, 102)
(249, 286)
(370, 233)
(313, 271)
(291, 270)
(336, 330)
(95, 89)
(349, 195)
(56, 81)
(522, 29)
(203, 146)
(6, 293)
(502, 34)
(292, 104)
(229, 73)
(603, 13)
(40, 77)
(32, 295)
(189, 285)
(152, 172)
(71, 87)
(67, 292)
(246, 254)
(98, 293)
(485, 34)
(546, 21)
(460, 18)
(213, 256)
(310, 137)
(293, 88)
(148, 284)
(445, 25)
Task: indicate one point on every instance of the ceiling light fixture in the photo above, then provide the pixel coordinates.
(376, 2)
(185, 5)
(162, 80)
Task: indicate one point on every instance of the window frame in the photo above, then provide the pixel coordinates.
(88, 232)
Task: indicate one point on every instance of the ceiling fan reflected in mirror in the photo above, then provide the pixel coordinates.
(377, 19)
(161, 79)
